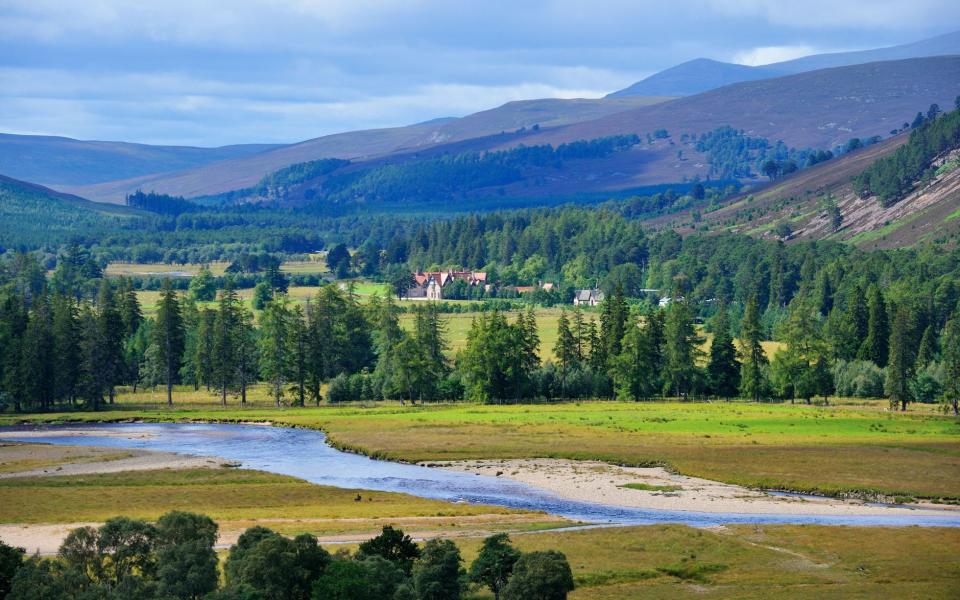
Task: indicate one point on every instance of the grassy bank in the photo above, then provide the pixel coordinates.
(857, 449)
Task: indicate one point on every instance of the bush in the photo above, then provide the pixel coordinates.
(540, 576)
(858, 379)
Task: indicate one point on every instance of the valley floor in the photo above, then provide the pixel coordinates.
(45, 490)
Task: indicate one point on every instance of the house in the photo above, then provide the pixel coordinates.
(588, 297)
(429, 286)
(665, 301)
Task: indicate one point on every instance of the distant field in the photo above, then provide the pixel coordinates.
(297, 294)
(859, 448)
(146, 269)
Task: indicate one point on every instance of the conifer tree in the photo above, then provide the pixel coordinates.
(753, 373)
(566, 347)
(613, 323)
(901, 363)
(224, 341)
(298, 354)
(875, 345)
(36, 357)
(168, 336)
(723, 370)
(951, 364)
(246, 350)
(275, 345)
(110, 330)
(681, 350)
(927, 351)
(66, 348)
(129, 305)
(203, 349)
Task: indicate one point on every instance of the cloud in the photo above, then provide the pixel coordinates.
(764, 55)
(838, 14)
(227, 71)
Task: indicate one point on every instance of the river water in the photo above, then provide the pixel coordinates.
(304, 453)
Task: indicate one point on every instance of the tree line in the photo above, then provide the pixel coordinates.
(175, 559)
(850, 323)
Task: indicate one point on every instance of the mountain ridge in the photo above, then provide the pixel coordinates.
(704, 74)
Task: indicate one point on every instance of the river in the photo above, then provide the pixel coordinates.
(305, 453)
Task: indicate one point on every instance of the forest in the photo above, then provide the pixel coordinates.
(851, 323)
(176, 559)
(893, 177)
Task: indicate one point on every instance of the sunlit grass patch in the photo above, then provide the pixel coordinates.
(646, 487)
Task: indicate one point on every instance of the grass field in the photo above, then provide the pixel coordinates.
(755, 562)
(856, 449)
(315, 266)
(227, 494)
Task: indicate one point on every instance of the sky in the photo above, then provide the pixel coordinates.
(216, 72)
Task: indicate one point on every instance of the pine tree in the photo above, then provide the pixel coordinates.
(723, 370)
(36, 357)
(275, 345)
(428, 334)
(635, 374)
(927, 350)
(66, 348)
(224, 341)
(203, 350)
(849, 327)
(168, 336)
(613, 323)
(298, 354)
(681, 350)
(566, 347)
(92, 385)
(753, 376)
(246, 352)
(581, 336)
(110, 330)
(802, 362)
(951, 364)
(129, 305)
(598, 356)
(901, 364)
(13, 322)
(875, 346)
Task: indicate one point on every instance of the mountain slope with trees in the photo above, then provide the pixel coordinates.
(899, 192)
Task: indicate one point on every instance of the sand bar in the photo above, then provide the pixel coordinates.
(594, 481)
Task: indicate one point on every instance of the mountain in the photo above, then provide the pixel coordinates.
(702, 74)
(227, 175)
(34, 215)
(824, 201)
(695, 76)
(65, 161)
(816, 109)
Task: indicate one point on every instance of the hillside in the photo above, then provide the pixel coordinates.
(696, 76)
(819, 109)
(32, 214)
(65, 161)
(801, 207)
(703, 74)
(368, 144)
